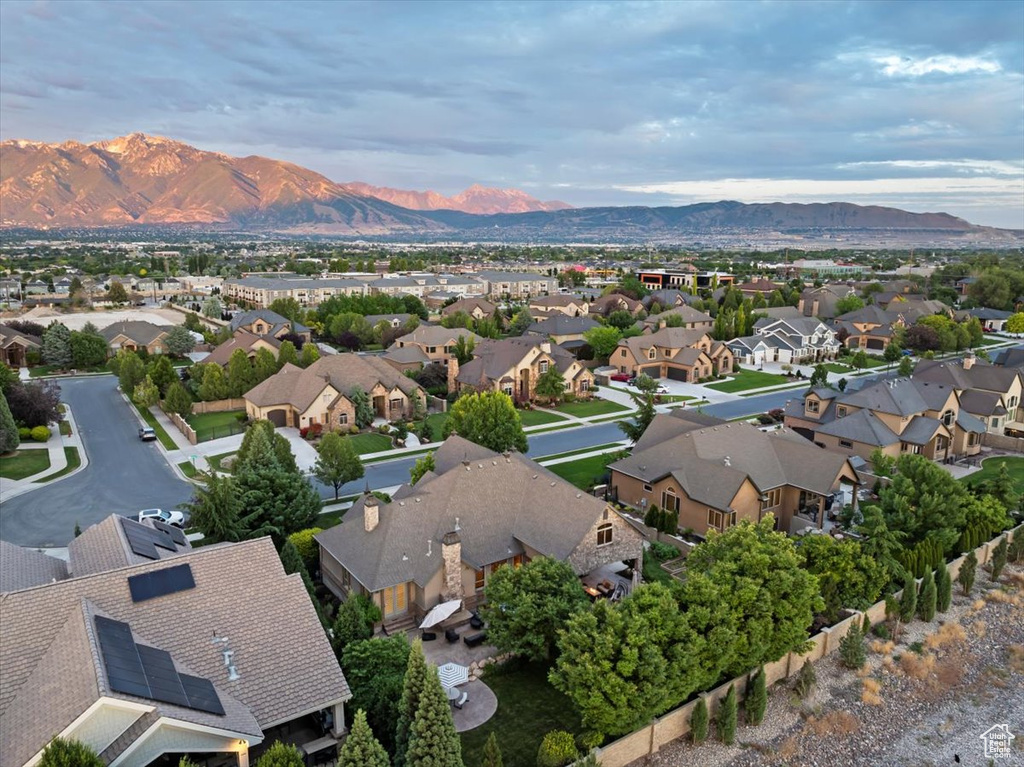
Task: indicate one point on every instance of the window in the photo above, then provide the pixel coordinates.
(479, 580)
(840, 411)
(647, 488)
(972, 439)
(652, 353)
(622, 353)
(495, 566)
(941, 442)
(947, 418)
(431, 349)
(396, 403)
(585, 384)
(720, 520)
(845, 443)
(604, 534)
(543, 367)
(670, 501)
(812, 405)
(507, 389)
(342, 419)
(771, 499)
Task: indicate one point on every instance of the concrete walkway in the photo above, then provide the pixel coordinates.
(10, 488)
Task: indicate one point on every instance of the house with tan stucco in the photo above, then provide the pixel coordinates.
(322, 393)
(682, 354)
(514, 365)
(443, 538)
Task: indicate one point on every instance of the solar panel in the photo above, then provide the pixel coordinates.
(163, 679)
(201, 695)
(121, 657)
(176, 535)
(159, 583)
(143, 539)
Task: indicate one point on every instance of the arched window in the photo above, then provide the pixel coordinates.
(604, 534)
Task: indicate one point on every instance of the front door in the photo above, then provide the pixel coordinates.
(394, 600)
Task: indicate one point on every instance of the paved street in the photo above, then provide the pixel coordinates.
(123, 475)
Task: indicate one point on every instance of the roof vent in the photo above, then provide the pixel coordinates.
(457, 528)
(494, 463)
(727, 461)
(430, 542)
(233, 675)
(535, 476)
(479, 465)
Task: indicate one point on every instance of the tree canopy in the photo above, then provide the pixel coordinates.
(489, 419)
(337, 462)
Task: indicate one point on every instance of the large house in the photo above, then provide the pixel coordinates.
(474, 306)
(136, 335)
(904, 415)
(989, 392)
(563, 329)
(992, 320)
(247, 342)
(263, 322)
(870, 327)
(547, 306)
(801, 340)
(146, 649)
(425, 345)
(443, 538)
(514, 365)
(717, 474)
(688, 318)
(615, 302)
(322, 393)
(821, 302)
(15, 345)
(678, 353)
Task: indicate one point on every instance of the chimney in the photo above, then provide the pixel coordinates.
(969, 359)
(453, 371)
(451, 558)
(371, 513)
(545, 347)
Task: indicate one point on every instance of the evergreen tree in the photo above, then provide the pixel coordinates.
(337, 462)
(967, 572)
(806, 679)
(851, 647)
(757, 698)
(214, 385)
(178, 400)
(908, 602)
(146, 394)
(727, 717)
(309, 355)
(520, 322)
(361, 749)
(69, 753)
(819, 377)
(361, 402)
(412, 690)
(282, 449)
(215, 509)
(644, 399)
(926, 601)
(699, 721)
(281, 755)
(999, 555)
(351, 624)
(241, 377)
(492, 753)
(9, 439)
(943, 588)
(433, 741)
(287, 354)
(57, 345)
(179, 341)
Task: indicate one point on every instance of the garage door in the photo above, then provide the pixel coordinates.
(876, 343)
(278, 417)
(654, 371)
(678, 374)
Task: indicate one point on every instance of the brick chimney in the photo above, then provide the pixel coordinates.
(545, 347)
(969, 360)
(451, 557)
(453, 371)
(371, 513)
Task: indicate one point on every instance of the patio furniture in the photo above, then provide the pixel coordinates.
(462, 700)
(592, 592)
(440, 613)
(451, 635)
(452, 693)
(452, 675)
(320, 751)
(428, 636)
(472, 640)
(475, 621)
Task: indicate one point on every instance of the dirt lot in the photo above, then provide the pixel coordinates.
(101, 318)
(921, 707)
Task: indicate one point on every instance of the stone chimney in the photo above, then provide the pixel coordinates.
(969, 360)
(453, 371)
(371, 513)
(451, 558)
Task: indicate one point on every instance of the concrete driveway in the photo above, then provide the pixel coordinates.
(123, 475)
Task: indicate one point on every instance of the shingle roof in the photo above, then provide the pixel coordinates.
(8, 336)
(282, 654)
(562, 325)
(138, 331)
(498, 503)
(435, 335)
(467, 305)
(243, 340)
(492, 359)
(666, 338)
(275, 320)
(1011, 358)
(21, 568)
(991, 378)
(982, 403)
(900, 396)
(104, 546)
(921, 429)
(711, 463)
(406, 354)
(688, 313)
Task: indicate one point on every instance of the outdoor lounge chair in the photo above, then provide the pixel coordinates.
(475, 621)
(462, 700)
(451, 635)
(472, 640)
(428, 636)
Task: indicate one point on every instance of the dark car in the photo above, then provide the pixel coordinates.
(147, 433)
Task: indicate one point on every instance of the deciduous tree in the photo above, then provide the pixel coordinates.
(375, 670)
(1015, 323)
(212, 307)
(287, 354)
(603, 340)
(69, 753)
(264, 365)
(146, 394)
(130, 371)
(34, 403)
(847, 577)
(240, 374)
(550, 385)
(161, 372)
(337, 462)
(117, 294)
(489, 419)
(421, 467)
(178, 400)
(214, 385)
(179, 341)
(309, 355)
(88, 349)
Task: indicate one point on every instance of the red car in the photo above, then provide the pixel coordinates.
(620, 376)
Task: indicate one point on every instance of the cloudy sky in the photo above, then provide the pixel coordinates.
(916, 105)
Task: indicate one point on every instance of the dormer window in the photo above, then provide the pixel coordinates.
(652, 354)
(840, 411)
(812, 405)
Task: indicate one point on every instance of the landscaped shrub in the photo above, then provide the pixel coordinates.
(908, 602)
(663, 551)
(699, 722)
(806, 679)
(967, 572)
(40, 433)
(757, 698)
(24, 433)
(999, 553)
(557, 749)
(69, 753)
(315, 430)
(303, 542)
(943, 588)
(926, 601)
(728, 713)
(851, 648)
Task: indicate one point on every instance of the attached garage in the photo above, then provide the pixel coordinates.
(654, 371)
(678, 374)
(876, 343)
(278, 417)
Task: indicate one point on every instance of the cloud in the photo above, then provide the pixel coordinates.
(904, 66)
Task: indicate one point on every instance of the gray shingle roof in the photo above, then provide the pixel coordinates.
(275, 320)
(900, 396)
(982, 403)
(21, 568)
(563, 325)
(492, 359)
(140, 332)
(921, 429)
(435, 335)
(992, 378)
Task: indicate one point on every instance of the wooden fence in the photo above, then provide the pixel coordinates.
(184, 428)
(218, 405)
(675, 724)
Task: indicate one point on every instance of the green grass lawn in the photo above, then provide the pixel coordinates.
(214, 425)
(24, 463)
(583, 473)
(436, 421)
(581, 451)
(65, 428)
(74, 461)
(214, 461)
(161, 434)
(990, 469)
(749, 379)
(528, 708)
(586, 408)
(835, 367)
(653, 571)
(46, 370)
(370, 442)
(187, 469)
(538, 417)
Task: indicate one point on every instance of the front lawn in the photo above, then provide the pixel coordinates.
(990, 470)
(371, 442)
(65, 428)
(585, 472)
(74, 461)
(587, 408)
(49, 370)
(436, 421)
(215, 425)
(24, 463)
(214, 462)
(528, 708)
(538, 417)
(750, 379)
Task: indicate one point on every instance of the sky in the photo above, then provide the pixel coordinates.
(914, 105)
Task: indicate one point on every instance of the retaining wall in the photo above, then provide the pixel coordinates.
(219, 405)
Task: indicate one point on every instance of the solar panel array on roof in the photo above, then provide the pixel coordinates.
(148, 672)
(143, 539)
(176, 534)
(158, 583)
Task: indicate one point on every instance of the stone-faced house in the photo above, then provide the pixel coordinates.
(903, 415)
(717, 474)
(263, 322)
(425, 345)
(871, 327)
(514, 365)
(136, 335)
(821, 301)
(443, 538)
(146, 649)
(15, 345)
(322, 393)
(989, 392)
(678, 353)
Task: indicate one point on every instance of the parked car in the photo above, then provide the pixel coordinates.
(147, 433)
(172, 517)
(624, 377)
(662, 389)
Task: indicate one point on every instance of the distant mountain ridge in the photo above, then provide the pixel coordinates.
(476, 199)
(140, 180)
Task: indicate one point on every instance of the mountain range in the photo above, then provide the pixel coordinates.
(141, 180)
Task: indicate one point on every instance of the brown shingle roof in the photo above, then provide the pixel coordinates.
(142, 333)
(21, 568)
(243, 340)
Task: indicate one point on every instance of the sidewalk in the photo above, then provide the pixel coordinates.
(10, 488)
